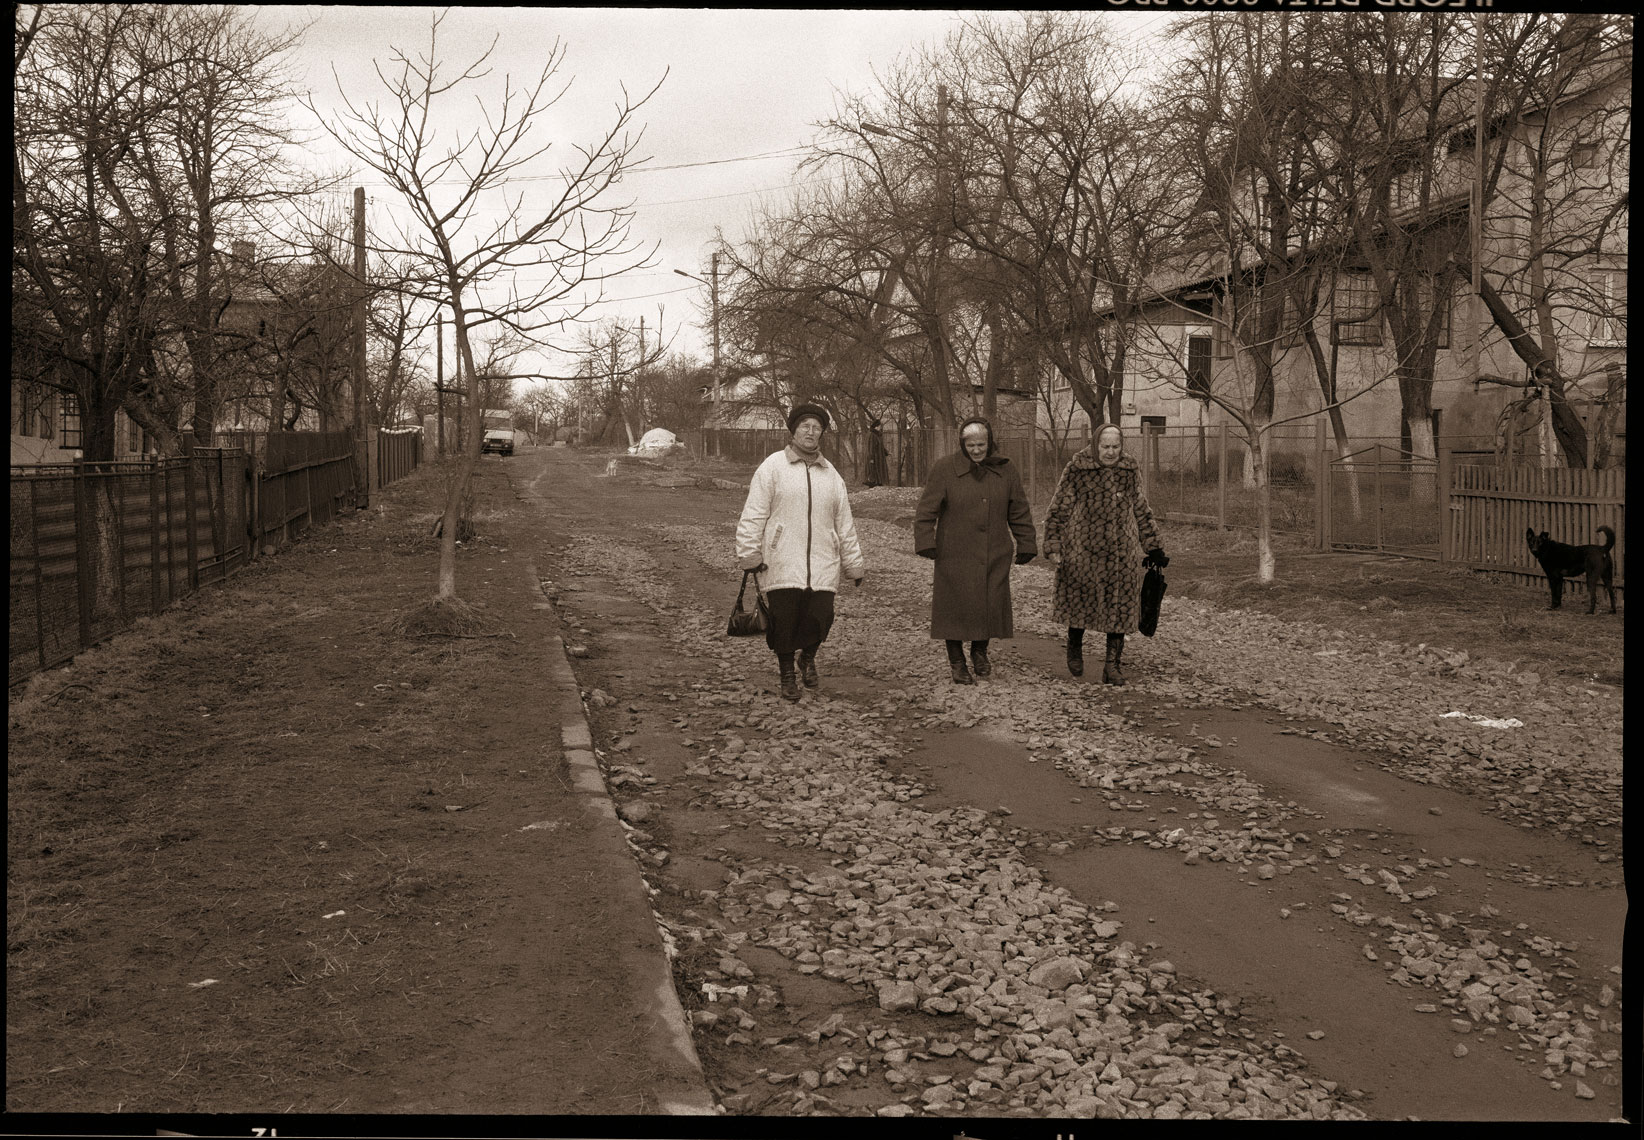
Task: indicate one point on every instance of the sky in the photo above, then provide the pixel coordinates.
(735, 83)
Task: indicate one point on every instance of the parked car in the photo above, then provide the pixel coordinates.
(500, 440)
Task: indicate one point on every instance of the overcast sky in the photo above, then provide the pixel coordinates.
(738, 83)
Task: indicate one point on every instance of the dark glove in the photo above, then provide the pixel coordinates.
(1023, 557)
(1156, 557)
(760, 569)
(931, 553)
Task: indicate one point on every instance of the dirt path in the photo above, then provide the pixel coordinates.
(1293, 911)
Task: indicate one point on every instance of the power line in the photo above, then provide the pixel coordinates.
(790, 151)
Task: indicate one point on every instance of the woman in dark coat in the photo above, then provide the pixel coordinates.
(972, 519)
(1097, 526)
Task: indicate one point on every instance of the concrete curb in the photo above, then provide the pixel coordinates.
(669, 1045)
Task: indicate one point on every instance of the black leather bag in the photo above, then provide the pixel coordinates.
(745, 622)
(1153, 592)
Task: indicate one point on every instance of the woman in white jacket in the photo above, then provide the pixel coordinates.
(797, 529)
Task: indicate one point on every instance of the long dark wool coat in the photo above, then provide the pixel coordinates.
(974, 518)
(1099, 522)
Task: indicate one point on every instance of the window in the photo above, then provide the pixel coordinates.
(1198, 367)
(1608, 323)
(70, 408)
(1357, 310)
(32, 412)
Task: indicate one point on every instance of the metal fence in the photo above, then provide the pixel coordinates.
(94, 546)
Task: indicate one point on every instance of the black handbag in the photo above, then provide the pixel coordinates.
(1153, 591)
(749, 623)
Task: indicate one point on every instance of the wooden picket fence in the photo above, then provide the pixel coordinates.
(1490, 507)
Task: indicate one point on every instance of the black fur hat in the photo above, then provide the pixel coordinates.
(804, 410)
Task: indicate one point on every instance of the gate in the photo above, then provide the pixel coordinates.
(1384, 499)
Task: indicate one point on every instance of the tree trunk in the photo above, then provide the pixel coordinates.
(1423, 478)
(457, 492)
(1567, 426)
(1265, 562)
(1615, 400)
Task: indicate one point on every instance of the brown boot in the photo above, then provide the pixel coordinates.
(956, 659)
(807, 667)
(1111, 674)
(1075, 652)
(979, 662)
(790, 682)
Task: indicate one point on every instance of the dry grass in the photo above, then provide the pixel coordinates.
(444, 617)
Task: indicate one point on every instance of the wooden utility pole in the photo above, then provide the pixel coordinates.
(714, 292)
(363, 465)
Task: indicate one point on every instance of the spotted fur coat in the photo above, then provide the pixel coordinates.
(1100, 524)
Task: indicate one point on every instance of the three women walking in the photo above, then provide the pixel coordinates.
(973, 520)
(796, 527)
(1096, 530)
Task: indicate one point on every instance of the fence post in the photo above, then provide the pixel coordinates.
(1321, 510)
(1378, 495)
(188, 515)
(1221, 478)
(1444, 475)
(82, 551)
(154, 534)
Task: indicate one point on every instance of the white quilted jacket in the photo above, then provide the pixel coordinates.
(797, 521)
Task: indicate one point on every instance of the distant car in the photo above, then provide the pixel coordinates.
(500, 440)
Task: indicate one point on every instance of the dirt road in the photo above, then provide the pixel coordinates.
(1215, 893)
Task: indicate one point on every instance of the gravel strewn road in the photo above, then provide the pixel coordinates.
(1268, 879)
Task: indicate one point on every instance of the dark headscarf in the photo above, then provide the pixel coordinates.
(992, 459)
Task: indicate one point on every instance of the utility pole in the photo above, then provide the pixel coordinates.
(361, 450)
(1475, 347)
(714, 292)
(939, 246)
(639, 372)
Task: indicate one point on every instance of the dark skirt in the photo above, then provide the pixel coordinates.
(799, 618)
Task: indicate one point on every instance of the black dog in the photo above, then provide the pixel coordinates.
(1560, 561)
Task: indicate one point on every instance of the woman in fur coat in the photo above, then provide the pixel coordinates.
(1096, 529)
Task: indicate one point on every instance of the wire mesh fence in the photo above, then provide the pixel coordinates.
(94, 546)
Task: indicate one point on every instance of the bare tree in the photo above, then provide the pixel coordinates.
(1558, 110)
(220, 152)
(571, 233)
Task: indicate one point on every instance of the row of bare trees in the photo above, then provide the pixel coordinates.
(154, 158)
(1029, 202)
(172, 257)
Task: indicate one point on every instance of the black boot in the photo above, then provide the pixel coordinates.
(979, 658)
(956, 658)
(1075, 651)
(790, 683)
(1110, 670)
(807, 666)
